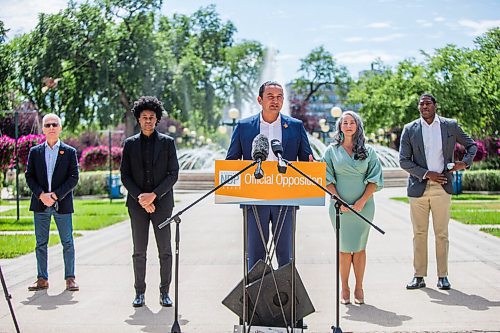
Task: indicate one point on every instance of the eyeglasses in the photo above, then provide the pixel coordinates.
(48, 125)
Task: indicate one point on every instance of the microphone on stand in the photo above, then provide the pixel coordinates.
(278, 151)
(260, 150)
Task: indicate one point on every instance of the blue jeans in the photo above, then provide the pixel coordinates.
(64, 225)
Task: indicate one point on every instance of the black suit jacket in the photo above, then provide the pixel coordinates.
(165, 171)
(64, 177)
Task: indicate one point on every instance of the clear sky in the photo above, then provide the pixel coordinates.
(355, 32)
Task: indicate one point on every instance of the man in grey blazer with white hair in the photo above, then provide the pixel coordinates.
(426, 153)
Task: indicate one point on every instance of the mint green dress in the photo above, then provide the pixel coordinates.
(350, 178)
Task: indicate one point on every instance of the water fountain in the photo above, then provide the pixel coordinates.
(197, 165)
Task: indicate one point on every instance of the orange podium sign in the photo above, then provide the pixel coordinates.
(290, 188)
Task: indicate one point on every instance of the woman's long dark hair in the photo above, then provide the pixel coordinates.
(359, 149)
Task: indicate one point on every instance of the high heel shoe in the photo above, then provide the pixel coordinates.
(359, 296)
(346, 299)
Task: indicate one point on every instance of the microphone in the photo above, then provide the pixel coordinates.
(278, 151)
(260, 150)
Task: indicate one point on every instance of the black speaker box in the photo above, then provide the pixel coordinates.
(268, 311)
(234, 301)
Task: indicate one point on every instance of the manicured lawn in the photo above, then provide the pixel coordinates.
(473, 209)
(89, 215)
(476, 212)
(15, 245)
(476, 197)
(493, 231)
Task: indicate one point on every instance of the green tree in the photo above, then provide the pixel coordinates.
(6, 69)
(103, 57)
(244, 65)
(487, 57)
(90, 61)
(319, 69)
(199, 44)
(464, 82)
(389, 98)
(319, 72)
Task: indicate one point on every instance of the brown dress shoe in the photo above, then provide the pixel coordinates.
(39, 284)
(71, 285)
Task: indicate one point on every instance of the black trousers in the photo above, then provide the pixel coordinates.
(140, 221)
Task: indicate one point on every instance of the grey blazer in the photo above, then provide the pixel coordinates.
(412, 153)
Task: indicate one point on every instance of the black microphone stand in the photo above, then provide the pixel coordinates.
(338, 203)
(176, 328)
(8, 297)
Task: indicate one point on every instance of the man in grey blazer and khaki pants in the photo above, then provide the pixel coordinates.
(426, 153)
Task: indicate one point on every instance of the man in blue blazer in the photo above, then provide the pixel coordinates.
(274, 125)
(427, 148)
(52, 174)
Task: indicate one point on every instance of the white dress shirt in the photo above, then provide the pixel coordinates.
(271, 131)
(50, 160)
(433, 144)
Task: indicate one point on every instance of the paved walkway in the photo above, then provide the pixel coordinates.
(211, 246)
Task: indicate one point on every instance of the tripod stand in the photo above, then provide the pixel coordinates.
(8, 297)
(338, 203)
(176, 218)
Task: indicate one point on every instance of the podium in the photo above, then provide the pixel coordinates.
(268, 299)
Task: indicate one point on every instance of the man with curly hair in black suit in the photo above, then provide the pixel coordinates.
(149, 170)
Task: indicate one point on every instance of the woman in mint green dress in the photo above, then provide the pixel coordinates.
(354, 173)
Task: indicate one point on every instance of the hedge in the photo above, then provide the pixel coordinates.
(89, 183)
(481, 180)
(97, 158)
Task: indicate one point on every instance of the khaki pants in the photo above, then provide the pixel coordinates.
(436, 200)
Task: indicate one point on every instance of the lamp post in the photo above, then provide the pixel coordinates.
(185, 136)
(233, 114)
(327, 126)
(172, 130)
(336, 112)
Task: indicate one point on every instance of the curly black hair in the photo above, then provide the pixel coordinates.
(149, 103)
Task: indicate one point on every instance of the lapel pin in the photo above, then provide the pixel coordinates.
(285, 125)
(61, 152)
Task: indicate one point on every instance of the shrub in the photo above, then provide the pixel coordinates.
(24, 145)
(28, 123)
(6, 152)
(92, 183)
(92, 138)
(97, 158)
(481, 153)
(83, 141)
(490, 163)
(24, 190)
(89, 183)
(481, 180)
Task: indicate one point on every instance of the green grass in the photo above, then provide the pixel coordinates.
(476, 197)
(492, 231)
(402, 199)
(461, 197)
(12, 246)
(473, 209)
(89, 215)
